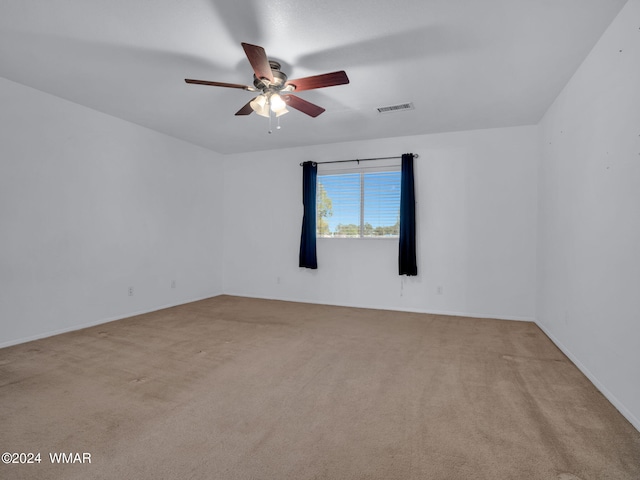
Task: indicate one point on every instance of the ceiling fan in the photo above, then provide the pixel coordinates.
(276, 88)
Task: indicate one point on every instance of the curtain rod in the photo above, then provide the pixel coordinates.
(415, 155)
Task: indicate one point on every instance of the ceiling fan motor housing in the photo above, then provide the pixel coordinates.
(279, 79)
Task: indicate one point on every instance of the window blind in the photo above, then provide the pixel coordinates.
(359, 204)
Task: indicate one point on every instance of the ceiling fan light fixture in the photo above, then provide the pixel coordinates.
(282, 112)
(277, 104)
(260, 106)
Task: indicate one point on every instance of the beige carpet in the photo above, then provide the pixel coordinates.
(235, 388)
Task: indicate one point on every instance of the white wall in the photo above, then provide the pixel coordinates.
(90, 205)
(589, 224)
(476, 194)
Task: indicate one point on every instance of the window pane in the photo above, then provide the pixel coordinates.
(381, 204)
(339, 205)
(358, 204)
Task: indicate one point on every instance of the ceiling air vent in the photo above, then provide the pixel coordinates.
(396, 108)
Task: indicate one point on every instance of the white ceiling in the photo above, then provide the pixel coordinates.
(465, 64)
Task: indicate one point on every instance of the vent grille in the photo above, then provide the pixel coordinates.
(396, 108)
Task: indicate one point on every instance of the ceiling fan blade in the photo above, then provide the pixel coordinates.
(258, 59)
(305, 107)
(320, 81)
(246, 110)
(218, 84)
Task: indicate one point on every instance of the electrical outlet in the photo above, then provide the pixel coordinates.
(173, 284)
(440, 290)
(131, 291)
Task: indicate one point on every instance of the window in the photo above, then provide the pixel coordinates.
(356, 203)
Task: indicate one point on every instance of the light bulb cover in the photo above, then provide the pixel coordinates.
(260, 106)
(277, 103)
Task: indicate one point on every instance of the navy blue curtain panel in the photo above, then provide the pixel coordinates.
(308, 258)
(407, 256)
